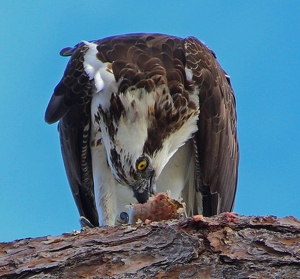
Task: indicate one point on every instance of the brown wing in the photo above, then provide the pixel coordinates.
(70, 103)
(216, 138)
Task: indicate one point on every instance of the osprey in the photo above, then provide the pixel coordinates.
(141, 114)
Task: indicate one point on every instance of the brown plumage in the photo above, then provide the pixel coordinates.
(185, 66)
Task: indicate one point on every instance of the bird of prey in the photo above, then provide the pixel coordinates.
(141, 114)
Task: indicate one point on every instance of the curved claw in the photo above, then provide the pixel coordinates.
(123, 218)
(85, 223)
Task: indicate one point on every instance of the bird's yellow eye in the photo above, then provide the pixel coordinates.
(141, 165)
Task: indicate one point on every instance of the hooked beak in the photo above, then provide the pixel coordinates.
(143, 189)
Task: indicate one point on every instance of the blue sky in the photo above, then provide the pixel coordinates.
(256, 42)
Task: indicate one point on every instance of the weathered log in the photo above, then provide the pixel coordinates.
(223, 246)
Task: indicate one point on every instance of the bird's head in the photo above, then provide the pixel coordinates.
(142, 130)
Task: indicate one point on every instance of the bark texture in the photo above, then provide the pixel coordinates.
(223, 246)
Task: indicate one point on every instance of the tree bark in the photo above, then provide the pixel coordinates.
(223, 246)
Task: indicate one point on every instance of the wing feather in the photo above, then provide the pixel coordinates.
(70, 104)
(217, 136)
